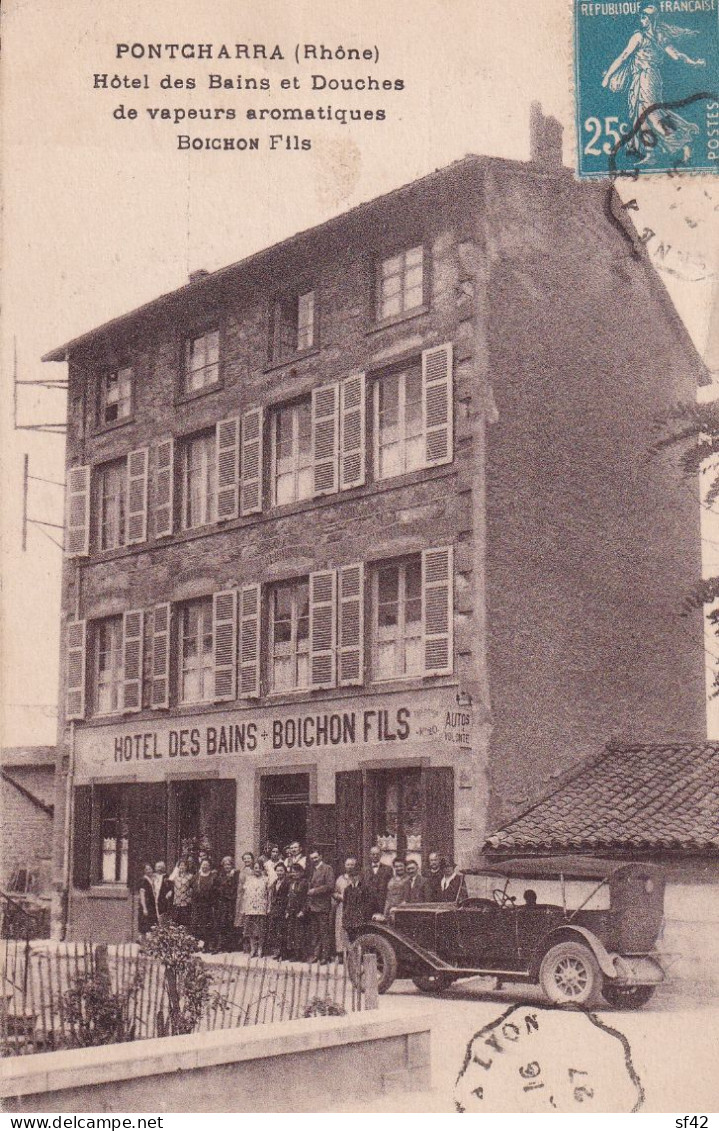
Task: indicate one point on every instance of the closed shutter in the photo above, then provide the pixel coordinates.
(437, 404)
(251, 463)
(132, 640)
(325, 439)
(224, 636)
(164, 487)
(350, 581)
(352, 431)
(348, 817)
(77, 522)
(82, 837)
(76, 659)
(222, 816)
(147, 819)
(250, 624)
(438, 610)
(323, 628)
(137, 496)
(160, 696)
(438, 816)
(228, 459)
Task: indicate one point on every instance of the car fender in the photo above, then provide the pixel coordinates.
(571, 931)
(403, 946)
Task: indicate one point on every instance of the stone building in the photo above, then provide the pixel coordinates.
(27, 795)
(362, 541)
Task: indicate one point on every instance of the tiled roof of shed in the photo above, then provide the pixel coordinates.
(632, 797)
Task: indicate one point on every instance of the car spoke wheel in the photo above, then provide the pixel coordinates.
(627, 997)
(569, 974)
(386, 960)
(432, 983)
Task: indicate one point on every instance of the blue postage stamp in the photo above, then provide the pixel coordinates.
(646, 86)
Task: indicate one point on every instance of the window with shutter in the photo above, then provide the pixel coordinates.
(199, 480)
(292, 475)
(160, 696)
(225, 643)
(350, 580)
(352, 431)
(289, 635)
(112, 504)
(164, 487)
(325, 438)
(108, 657)
(196, 651)
(323, 628)
(137, 496)
(228, 440)
(251, 462)
(77, 524)
(132, 640)
(249, 633)
(400, 441)
(437, 404)
(438, 610)
(76, 653)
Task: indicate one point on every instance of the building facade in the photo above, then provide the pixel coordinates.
(358, 527)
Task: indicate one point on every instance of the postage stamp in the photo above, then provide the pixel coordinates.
(646, 86)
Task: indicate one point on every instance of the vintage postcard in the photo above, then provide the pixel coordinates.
(360, 749)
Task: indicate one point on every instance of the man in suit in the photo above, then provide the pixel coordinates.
(319, 907)
(375, 879)
(434, 877)
(416, 884)
(453, 885)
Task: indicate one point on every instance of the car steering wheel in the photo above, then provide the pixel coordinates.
(502, 899)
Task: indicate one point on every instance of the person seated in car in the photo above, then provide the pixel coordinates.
(530, 898)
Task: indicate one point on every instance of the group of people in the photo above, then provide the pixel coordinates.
(287, 905)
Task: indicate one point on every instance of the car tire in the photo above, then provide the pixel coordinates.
(569, 974)
(432, 983)
(386, 958)
(626, 997)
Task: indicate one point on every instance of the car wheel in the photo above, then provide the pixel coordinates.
(627, 997)
(569, 974)
(432, 983)
(386, 959)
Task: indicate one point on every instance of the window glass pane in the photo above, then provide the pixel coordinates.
(414, 256)
(392, 266)
(305, 320)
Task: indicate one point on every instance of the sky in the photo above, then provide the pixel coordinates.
(102, 215)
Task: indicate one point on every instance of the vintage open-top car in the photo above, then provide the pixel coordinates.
(576, 925)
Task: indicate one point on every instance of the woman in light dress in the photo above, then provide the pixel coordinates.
(255, 906)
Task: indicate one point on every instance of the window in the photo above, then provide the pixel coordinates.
(397, 621)
(398, 813)
(196, 653)
(399, 424)
(114, 832)
(202, 361)
(289, 635)
(112, 505)
(292, 472)
(199, 495)
(116, 396)
(108, 666)
(400, 283)
(293, 325)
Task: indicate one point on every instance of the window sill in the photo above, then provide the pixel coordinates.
(271, 365)
(112, 426)
(184, 397)
(406, 316)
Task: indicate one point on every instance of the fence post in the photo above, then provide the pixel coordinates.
(369, 981)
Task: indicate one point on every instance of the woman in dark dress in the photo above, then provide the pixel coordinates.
(276, 919)
(203, 905)
(147, 908)
(296, 915)
(226, 895)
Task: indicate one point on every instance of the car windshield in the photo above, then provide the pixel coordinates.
(583, 893)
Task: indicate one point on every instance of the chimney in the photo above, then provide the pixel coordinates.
(545, 139)
(195, 276)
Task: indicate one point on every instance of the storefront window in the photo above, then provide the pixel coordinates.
(114, 834)
(398, 813)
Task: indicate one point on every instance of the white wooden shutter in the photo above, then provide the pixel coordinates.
(250, 625)
(437, 404)
(224, 638)
(352, 431)
(323, 628)
(350, 580)
(160, 696)
(228, 460)
(75, 685)
(164, 487)
(137, 496)
(77, 523)
(132, 640)
(325, 438)
(438, 610)
(251, 463)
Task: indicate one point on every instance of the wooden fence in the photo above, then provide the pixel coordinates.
(38, 1003)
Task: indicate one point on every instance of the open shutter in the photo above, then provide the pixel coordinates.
(77, 522)
(82, 837)
(164, 487)
(250, 621)
(132, 639)
(438, 803)
(438, 610)
(352, 431)
(160, 696)
(224, 636)
(348, 817)
(437, 402)
(137, 496)
(251, 464)
(323, 628)
(228, 460)
(325, 438)
(351, 624)
(76, 652)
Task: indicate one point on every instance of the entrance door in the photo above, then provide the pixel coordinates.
(200, 813)
(284, 801)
